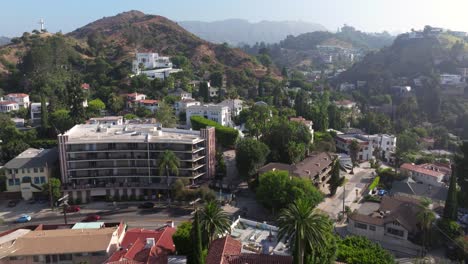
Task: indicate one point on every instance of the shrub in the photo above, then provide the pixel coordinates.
(225, 136)
(182, 239)
(374, 183)
(360, 250)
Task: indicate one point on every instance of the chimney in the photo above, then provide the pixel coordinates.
(150, 242)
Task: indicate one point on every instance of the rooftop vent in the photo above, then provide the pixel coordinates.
(150, 242)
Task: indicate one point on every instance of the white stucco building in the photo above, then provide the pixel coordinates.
(217, 113)
(36, 111)
(235, 106)
(422, 174)
(153, 65)
(21, 98)
(8, 106)
(182, 105)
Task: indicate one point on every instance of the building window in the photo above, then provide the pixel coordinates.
(35, 170)
(43, 178)
(372, 228)
(35, 258)
(41, 169)
(65, 257)
(11, 182)
(36, 180)
(396, 232)
(29, 170)
(16, 171)
(360, 225)
(17, 181)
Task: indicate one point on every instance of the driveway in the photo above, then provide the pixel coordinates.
(352, 192)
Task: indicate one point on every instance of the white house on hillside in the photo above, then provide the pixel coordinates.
(21, 98)
(217, 113)
(153, 65)
(235, 106)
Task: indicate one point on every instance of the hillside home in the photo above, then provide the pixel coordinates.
(181, 94)
(345, 104)
(153, 66)
(8, 106)
(382, 145)
(315, 167)
(425, 174)
(235, 106)
(149, 104)
(36, 111)
(217, 113)
(392, 225)
(182, 105)
(21, 98)
(28, 171)
(347, 87)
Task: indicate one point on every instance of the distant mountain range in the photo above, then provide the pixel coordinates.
(4, 40)
(239, 31)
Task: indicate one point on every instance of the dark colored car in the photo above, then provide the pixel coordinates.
(73, 209)
(146, 205)
(91, 218)
(12, 203)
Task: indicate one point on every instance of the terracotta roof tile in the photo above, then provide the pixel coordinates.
(416, 168)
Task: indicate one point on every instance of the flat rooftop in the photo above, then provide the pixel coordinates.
(62, 241)
(137, 133)
(258, 237)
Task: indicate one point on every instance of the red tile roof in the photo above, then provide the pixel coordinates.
(7, 102)
(134, 246)
(222, 247)
(301, 120)
(418, 169)
(148, 101)
(21, 95)
(227, 250)
(344, 102)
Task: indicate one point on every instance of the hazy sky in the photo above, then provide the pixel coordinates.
(18, 16)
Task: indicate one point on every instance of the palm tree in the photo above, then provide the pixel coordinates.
(426, 218)
(169, 162)
(305, 228)
(214, 221)
(354, 149)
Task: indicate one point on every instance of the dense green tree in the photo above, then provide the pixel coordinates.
(213, 221)
(204, 91)
(360, 250)
(216, 79)
(407, 142)
(165, 115)
(287, 147)
(335, 179)
(95, 107)
(12, 148)
(336, 119)
(426, 218)
(257, 119)
(76, 97)
(374, 123)
(61, 120)
(116, 103)
(304, 227)
(197, 256)
(451, 206)
(286, 189)
(44, 114)
(302, 103)
(461, 162)
(183, 239)
(251, 154)
(354, 149)
(55, 188)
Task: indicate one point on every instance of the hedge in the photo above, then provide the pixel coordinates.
(44, 143)
(225, 136)
(374, 183)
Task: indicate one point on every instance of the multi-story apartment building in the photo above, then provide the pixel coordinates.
(382, 145)
(182, 105)
(123, 160)
(28, 171)
(235, 106)
(343, 142)
(217, 113)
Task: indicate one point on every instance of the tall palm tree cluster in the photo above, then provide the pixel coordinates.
(208, 223)
(305, 229)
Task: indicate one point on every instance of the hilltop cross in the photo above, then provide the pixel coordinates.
(41, 22)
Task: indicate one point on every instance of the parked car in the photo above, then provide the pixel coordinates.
(12, 203)
(73, 209)
(23, 218)
(91, 218)
(146, 205)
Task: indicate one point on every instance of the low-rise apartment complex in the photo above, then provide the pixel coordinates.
(382, 146)
(424, 173)
(28, 171)
(123, 160)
